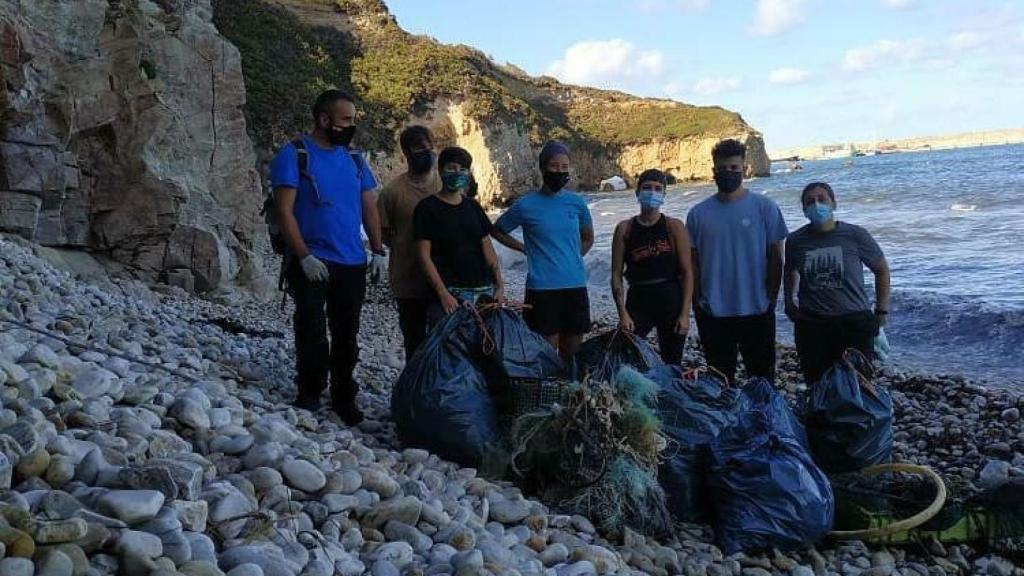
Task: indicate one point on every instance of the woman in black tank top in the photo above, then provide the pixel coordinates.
(652, 251)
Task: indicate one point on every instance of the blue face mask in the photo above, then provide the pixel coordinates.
(818, 213)
(453, 181)
(651, 198)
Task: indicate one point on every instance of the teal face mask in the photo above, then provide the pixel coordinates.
(818, 213)
(453, 181)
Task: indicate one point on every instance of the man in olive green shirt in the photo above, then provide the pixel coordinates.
(396, 204)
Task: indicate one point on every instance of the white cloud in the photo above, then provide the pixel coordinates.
(788, 76)
(773, 17)
(882, 52)
(899, 4)
(966, 40)
(713, 85)
(607, 63)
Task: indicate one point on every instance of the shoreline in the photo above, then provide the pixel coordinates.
(231, 418)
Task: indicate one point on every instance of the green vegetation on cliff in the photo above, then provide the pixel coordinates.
(293, 49)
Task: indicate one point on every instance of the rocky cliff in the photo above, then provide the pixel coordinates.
(122, 129)
(123, 133)
(500, 114)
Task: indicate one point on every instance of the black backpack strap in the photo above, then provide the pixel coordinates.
(302, 156)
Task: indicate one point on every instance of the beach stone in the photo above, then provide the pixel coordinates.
(378, 481)
(247, 569)
(265, 478)
(137, 544)
(398, 553)
(303, 475)
(345, 481)
(999, 567)
(32, 464)
(131, 506)
(468, 560)
(338, 503)
(17, 567)
(270, 559)
(994, 473)
(603, 560)
(40, 354)
(581, 568)
(93, 382)
(197, 568)
(229, 503)
(203, 549)
(556, 553)
(6, 472)
(192, 514)
(232, 445)
(398, 531)
(1010, 415)
(510, 511)
(190, 413)
(384, 568)
(60, 531)
(406, 510)
(56, 563)
(801, 571)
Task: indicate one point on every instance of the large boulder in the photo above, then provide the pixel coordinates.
(122, 132)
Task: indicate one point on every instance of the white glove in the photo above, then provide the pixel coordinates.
(378, 267)
(314, 269)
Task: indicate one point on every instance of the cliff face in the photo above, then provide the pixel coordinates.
(122, 132)
(501, 115)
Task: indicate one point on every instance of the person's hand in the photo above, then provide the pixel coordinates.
(314, 269)
(378, 267)
(449, 303)
(683, 323)
(881, 318)
(626, 323)
(793, 312)
(499, 294)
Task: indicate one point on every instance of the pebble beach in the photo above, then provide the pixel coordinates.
(146, 431)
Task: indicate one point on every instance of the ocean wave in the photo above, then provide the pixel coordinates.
(958, 207)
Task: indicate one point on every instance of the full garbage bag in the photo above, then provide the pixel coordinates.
(441, 401)
(448, 398)
(848, 418)
(767, 491)
(600, 357)
(693, 407)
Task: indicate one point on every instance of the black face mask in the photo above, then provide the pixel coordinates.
(341, 136)
(555, 181)
(420, 162)
(728, 181)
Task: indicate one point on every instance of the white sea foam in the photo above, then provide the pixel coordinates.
(959, 207)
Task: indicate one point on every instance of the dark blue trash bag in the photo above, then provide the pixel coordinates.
(693, 407)
(520, 353)
(441, 402)
(601, 356)
(849, 419)
(767, 491)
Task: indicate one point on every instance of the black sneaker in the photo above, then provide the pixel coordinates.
(311, 403)
(349, 413)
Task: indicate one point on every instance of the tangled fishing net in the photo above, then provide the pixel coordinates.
(596, 453)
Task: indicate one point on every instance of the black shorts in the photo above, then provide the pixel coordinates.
(565, 311)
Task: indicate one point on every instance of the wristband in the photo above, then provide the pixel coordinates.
(379, 252)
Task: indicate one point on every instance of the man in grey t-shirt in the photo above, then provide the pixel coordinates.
(825, 260)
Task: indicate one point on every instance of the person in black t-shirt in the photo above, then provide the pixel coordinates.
(652, 251)
(453, 241)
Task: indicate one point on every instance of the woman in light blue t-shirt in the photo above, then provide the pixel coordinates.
(557, 233)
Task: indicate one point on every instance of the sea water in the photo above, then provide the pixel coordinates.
(951, 224)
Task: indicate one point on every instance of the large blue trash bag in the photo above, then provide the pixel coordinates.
(441, 401)
(848, 418)
(519, 352)
(600, 357)
(693, 407)
(767, 491)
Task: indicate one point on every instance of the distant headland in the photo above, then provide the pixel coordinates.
(917, 144)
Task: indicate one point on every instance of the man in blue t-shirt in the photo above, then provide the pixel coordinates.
(320, 212)
(737, 238)
(557, 233)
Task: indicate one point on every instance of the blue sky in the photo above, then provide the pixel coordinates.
(800, 71)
